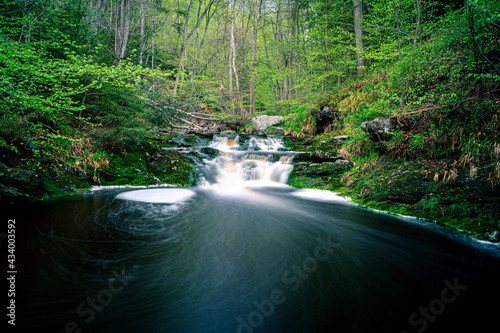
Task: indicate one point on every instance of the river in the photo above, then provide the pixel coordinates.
(243, 252)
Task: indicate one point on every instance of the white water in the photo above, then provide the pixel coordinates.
(163, 195)
(264, 162)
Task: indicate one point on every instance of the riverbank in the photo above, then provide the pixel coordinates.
(149, 162)
(411, 188)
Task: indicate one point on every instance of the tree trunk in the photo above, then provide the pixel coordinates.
(122, 31)
(97, 14)
(153, 52)
(183, 48)
(419, 18)
(269, 71)
(358, 32)
(125, 32)
(233, 56)
(185, 38)
(119, 28)
(254, 54)
(397, 26)
(141, 55)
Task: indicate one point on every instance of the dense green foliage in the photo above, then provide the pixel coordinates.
(65, 102)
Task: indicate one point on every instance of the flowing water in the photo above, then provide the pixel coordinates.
(243, 252)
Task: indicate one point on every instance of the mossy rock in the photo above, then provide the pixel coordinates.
(172, 167)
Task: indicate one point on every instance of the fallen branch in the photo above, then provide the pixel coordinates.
(420, 111)
(203, 114)
(180, 127)
(190, 123)
(192, 115)
(50, 128)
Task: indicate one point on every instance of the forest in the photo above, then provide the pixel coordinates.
(90, 88)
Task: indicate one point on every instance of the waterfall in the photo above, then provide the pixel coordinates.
(263, 161)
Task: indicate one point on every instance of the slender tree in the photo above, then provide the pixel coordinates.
(358, 32)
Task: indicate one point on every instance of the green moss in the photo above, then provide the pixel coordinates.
(144, 168)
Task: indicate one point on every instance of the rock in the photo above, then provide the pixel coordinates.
(344, 164)
(212, 152)
(336, 140)
(320, 174)
(378, 128)
(276, 130)
(261, 123)
(5, 169)
(31, 145)
(300, 166)
(318, 156)
(26, 181)
(324, 117)
(11, 194)
(73, 170)
(325, 114)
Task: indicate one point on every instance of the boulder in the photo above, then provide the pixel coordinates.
(261, 123)
(212, 152)
(319, 156)
(17, 183)
(326, 114)
(26, 180)
(335, 141)
(324, 117)
(4, 168)
(378, 129)
(11, 194)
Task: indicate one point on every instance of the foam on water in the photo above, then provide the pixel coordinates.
(159, 195)
(320, 195)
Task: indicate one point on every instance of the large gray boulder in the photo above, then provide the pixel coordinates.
(261, 123)
(378, 129)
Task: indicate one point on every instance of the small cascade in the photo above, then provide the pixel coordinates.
(266, 144)
(224, 141)
(262, 160)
